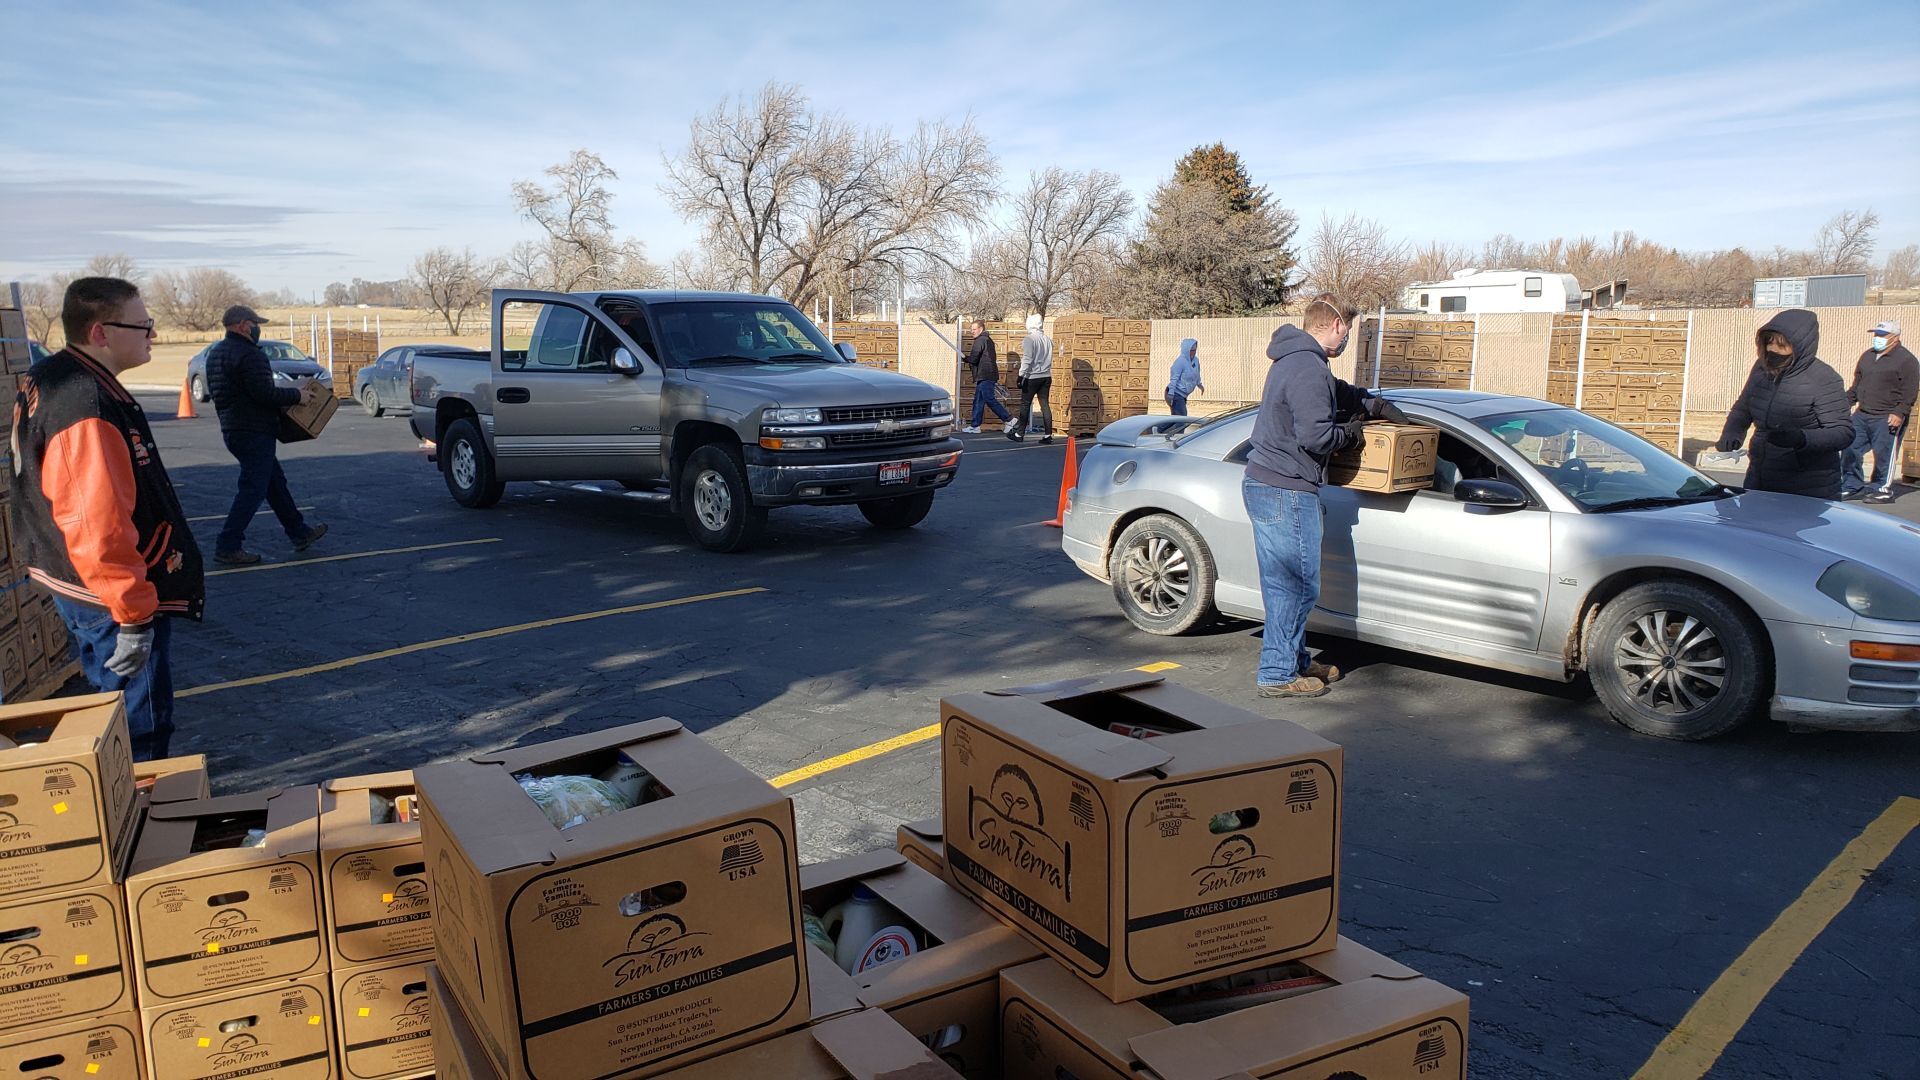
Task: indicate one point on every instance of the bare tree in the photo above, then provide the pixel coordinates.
(525, 266)
(195, 299)
(1503, 251)
(40, 302)
(797, 201)
(1436, 261)
(978, 289)
(451, 283)
(1059, 223)
(1902, 268)
(575, 213)
(1353, 259)
(1845, 242)
(114, 266)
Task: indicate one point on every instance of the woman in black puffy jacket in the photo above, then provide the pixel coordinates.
(1797, 407)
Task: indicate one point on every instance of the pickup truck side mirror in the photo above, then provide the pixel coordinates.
(847, 350)
(624, 362)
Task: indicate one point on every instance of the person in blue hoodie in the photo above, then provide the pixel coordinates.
(1306, 416)
(1185, 377)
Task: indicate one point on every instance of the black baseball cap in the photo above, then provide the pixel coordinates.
(240, 313)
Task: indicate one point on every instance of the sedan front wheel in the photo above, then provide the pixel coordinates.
(1679, 660)
(1163, 576)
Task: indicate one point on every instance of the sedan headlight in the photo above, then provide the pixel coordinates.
(790, 416)
(1869, 593)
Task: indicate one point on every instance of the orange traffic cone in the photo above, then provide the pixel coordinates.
(185, 409)
(1069, 479)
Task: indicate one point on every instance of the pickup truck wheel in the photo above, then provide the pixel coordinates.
(469, 468)
(370, 401)
(901, 512)
(716, 503)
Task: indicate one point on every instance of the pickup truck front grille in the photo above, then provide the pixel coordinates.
(866, 414)
(877, 438)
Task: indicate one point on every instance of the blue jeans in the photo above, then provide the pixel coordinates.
(986, 395)
(1871, 433)
(149, 693)
(260, 479)
(1177, 402)
(1287, 527)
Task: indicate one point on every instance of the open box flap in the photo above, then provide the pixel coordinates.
(1077, 745)
(870, 1045)
(54, 712)
(814, 875)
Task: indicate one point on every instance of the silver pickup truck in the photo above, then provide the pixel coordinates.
(721, 405)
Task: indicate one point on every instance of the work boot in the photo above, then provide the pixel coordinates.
(1304, 686)
(1014, 434)
(235, 558)
(313, 537)
(1326, 673)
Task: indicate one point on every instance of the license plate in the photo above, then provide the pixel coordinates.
(896, 472)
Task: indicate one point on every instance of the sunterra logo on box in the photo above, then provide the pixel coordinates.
(1009, 823)
(659, 945)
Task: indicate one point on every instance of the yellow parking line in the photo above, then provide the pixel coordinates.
(223, 517)
(1702, 1035)
(350, 555)
(887, 746)
(460, 639)
(1155, 669)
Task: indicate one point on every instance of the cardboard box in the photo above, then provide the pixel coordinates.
(308, 419)
(457, 1053)
(56, 636)
(946, 994)
(1375, 1019)
(66, 804)
(1394, 458)
(176, 778)
(866, 1045)
(280, 1028)
(13, 683)
(97, 1048)
(209, 914)
(384, 1021)
(33, 642)
(1146, 835)
(379, 905)
(530, 928)
(63, 959)
(921, 843)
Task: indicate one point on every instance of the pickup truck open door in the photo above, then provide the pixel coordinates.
(562, 405)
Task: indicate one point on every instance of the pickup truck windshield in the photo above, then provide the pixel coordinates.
(705, 332)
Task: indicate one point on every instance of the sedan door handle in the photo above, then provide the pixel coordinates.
(512, 395)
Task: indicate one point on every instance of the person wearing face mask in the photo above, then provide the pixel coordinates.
(1886, 379)
(95, 511)
(1797, 408)
(1306, 416)
(240, 380)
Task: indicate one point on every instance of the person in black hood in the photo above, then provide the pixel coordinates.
(1797, 408)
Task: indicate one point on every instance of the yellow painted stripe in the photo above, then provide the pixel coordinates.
(1705, 1032)
(349, 555)
(223, 517)
(887, 746)
(461, 639)
(1155, 669)
(871, 750)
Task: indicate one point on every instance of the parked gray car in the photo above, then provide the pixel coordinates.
(289, 364)
(1551, 544)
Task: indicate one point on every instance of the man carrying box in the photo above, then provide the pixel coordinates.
(102, 528)
(1299, 427)
(240, 378)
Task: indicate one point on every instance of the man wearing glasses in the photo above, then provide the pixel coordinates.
(95, 511)
(240, 378)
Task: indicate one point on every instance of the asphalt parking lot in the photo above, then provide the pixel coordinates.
(1587, 886)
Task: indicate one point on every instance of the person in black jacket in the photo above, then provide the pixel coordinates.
(240, 380)
(1797, 408)
(1886, 380)
(984, 361)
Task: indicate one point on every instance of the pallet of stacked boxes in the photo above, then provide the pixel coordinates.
(66, 781)
(1417, 352)
(1101, 367)
(1631, 373)
(349, 352)
(875, 344)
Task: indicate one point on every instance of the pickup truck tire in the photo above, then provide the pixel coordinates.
(901, 512)
(469, 467)
(716, 503)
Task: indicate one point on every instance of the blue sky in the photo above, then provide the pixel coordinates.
(298, 144)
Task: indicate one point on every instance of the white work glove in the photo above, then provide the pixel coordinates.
(130, 650)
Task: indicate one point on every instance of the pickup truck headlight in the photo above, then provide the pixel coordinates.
(942, 406)
(1869, 593)
(790, 416)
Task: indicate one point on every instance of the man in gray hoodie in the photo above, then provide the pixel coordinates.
(1306, 416)
(1036, 381)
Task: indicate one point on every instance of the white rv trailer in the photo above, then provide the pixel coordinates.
(1470, 291)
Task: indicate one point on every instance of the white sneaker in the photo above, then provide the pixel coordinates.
(969, 431)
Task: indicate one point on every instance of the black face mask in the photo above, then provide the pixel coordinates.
(254, 334)
(1774, 362)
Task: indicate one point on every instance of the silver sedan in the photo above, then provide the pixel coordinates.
(1552, 543)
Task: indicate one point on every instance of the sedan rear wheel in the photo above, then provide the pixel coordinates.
(1679, 660)
(1163, 576)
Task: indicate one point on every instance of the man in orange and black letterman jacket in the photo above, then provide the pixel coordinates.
(102, 528)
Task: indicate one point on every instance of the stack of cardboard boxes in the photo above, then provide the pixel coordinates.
(34, 656)
(1100, 371)
(1631, 373)
(1416, 352)
(345, 353)
(1178, 859)
(876, 344)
